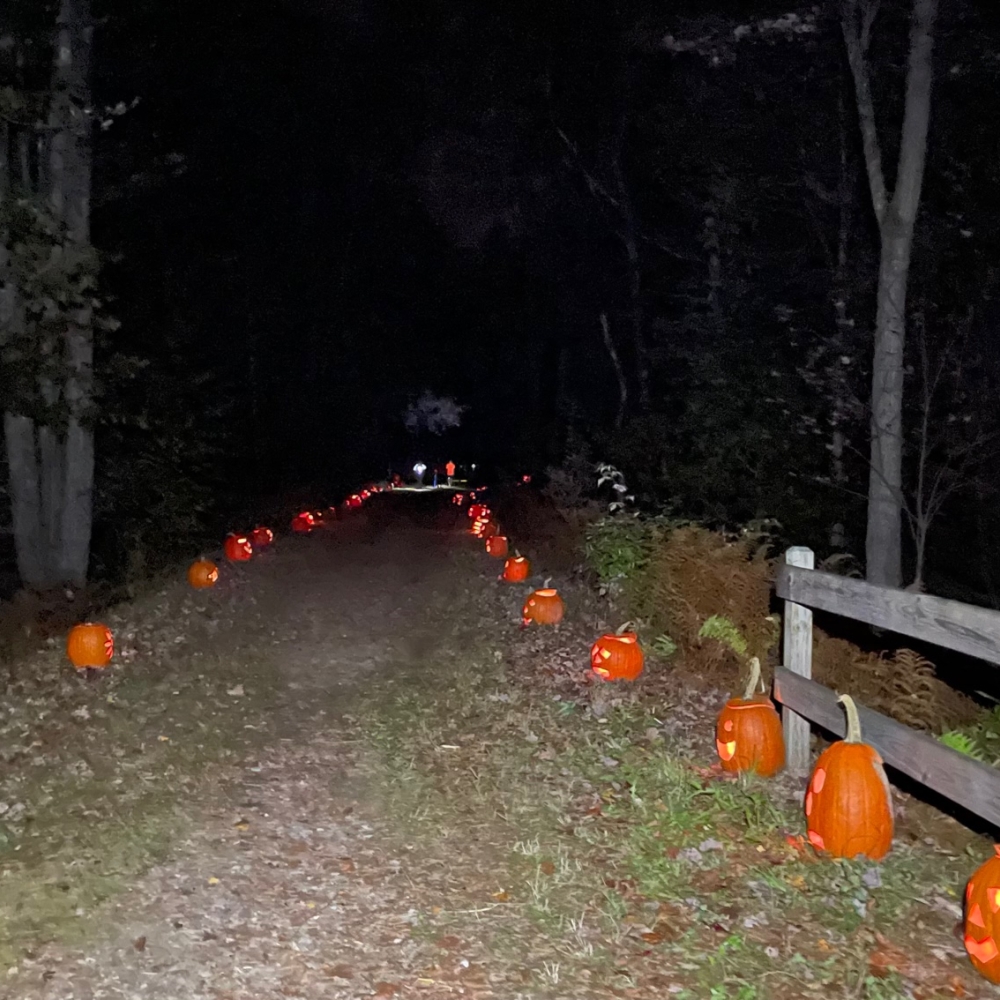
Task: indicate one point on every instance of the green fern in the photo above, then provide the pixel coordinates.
(664, 646)
(961, 742)
(723, 630)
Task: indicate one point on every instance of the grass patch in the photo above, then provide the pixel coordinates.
(594, 856)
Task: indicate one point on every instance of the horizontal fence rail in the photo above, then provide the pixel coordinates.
(952, 624)
(971, 783)
(949, 624)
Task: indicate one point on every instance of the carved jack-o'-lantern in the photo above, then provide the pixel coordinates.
(496, 546)
(203, 573)
(748, 734)
(516, 569)
(478, 510)
(544, 607)
(848, 804)
(617, 656)
(489, 529)
(261, 537)
(238, 548)
(90, 646)
(303, 523)
(982, 922)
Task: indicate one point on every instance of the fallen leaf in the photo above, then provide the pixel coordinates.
(501, 897)
(547, 868)
(242, 824)
(213, 880)
(339, 971)
(236, 692)
(383, 989)
(140, 943)
(449, 942)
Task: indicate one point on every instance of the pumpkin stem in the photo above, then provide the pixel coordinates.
(853, 722)
(623, 628)
(546, 582)
(755, 679)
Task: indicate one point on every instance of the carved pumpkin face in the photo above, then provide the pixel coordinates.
(617, 656)
(748, 735)
(478, 510)
(238, 548)
(516, 569)
(982, 924)
(303, 523)
(545, 607)
(260, 538)
(497, 546)
(203, 573)
(848, 804)
(90, 646)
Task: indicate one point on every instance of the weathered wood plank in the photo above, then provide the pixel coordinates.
(962, 627)
(970, 783)
(797, 645)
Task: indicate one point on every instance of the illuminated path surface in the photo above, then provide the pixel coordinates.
(281, 889)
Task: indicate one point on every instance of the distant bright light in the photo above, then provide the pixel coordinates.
(420, 468)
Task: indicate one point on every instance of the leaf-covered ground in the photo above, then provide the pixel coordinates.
(346, 772)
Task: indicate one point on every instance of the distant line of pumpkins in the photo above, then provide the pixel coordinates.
(90, 646)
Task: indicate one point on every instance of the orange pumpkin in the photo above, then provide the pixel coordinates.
(203, 573)
(617, 656)
(748, 734)
(90, 646)
(848, 804)
(489, 529)
(516, 569)
(261, 537)
(238, 548)
(303, 523)
(497, 546)
(982, 925)
(544, 607)
(478, 510)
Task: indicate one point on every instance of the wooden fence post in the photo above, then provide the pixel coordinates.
(797, 657)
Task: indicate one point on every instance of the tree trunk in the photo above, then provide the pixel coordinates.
(896, 218)
(51, 458)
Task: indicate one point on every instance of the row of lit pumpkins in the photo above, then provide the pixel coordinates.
(615, 656)
(848, 803)
(90, 645)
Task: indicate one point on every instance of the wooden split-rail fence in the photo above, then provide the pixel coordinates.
(961, 627)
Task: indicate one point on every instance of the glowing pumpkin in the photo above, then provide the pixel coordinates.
(238, 548)
(617, 656)
(203, 573)
(982, 925)
(90, 646)
(303, 523)
(354, 501)
(478, 510)
(748, 734)
(497, 546)
(260, 538)
(544, 607)
(848, 804)
(516, 569)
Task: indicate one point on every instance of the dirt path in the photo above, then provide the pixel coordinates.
(277, 890)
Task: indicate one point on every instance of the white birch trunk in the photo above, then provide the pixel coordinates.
(896, 218)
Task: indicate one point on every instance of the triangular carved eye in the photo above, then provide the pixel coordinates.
(993, 895)
(968, 890)
(976, 916)
(985, 950)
